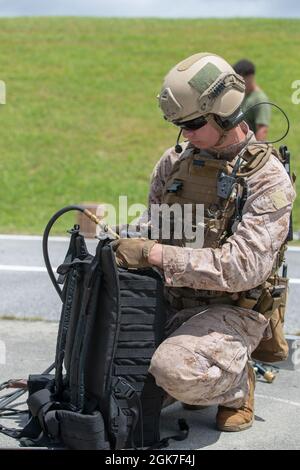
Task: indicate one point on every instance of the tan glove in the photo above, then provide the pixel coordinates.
(132, 252)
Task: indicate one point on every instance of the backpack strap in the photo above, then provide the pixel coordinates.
(69, 274)
(255, 157)
(91, 288)
(125, 394)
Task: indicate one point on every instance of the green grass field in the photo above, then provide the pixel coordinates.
(81, 121)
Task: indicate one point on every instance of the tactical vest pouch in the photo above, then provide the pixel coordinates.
(272, 304)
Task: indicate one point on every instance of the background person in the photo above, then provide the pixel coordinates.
(258, 119)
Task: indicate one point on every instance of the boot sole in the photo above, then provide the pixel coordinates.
(242, 427)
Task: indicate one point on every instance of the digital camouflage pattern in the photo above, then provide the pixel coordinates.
(203, 360)
(246, 259)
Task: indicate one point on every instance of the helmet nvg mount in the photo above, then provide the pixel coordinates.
(203, 84)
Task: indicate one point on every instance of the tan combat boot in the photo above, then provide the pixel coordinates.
(233, 420)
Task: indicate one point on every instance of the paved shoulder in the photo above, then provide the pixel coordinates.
(30, 348)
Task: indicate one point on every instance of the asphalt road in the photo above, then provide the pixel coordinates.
(30, 348)
(26, 291)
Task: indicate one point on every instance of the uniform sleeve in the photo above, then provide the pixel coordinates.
(159, 176)
(246, 259)
(262, 115)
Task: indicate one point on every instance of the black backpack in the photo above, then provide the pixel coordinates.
(101, 395)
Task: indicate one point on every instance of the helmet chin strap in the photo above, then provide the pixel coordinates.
(223, 133)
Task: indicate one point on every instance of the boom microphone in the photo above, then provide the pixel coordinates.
(178, 148)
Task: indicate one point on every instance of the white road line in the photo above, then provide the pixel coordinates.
(31, 269)
(65, 239)
(41, 269)
(33, 238)
(281, 400)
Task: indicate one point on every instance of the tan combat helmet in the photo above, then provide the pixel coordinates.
(203, 84)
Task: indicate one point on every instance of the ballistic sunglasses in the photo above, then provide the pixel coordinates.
(193, 124)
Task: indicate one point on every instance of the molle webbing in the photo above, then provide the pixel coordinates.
(132, 317)
(112, 321)
(198, 178)
(194, 180)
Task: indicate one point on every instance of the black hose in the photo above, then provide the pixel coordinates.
(11, 397)
(282, 112)
(45, 243)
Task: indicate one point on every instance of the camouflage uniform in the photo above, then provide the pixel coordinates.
(203, 360)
